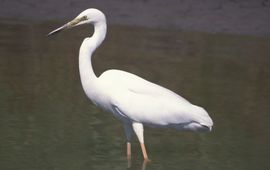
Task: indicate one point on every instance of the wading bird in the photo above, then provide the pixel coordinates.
(133, 100)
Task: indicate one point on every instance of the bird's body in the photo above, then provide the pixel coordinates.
(133, 100)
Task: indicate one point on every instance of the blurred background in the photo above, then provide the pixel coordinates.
(230, 16)
(215, 53)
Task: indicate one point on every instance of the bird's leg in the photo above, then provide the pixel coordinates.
(138, 129)
(128, 150)
(145, 156)
(128, 133)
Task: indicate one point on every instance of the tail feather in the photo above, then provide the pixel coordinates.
(202, 117)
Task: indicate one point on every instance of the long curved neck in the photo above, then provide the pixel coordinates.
(89, 45)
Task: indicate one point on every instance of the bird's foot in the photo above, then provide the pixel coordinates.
(147, 160)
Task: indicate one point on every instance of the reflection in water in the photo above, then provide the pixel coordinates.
(128, 163)
(48, 123)
(144, 164)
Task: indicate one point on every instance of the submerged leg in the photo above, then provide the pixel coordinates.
(128, 133)
(138, 129)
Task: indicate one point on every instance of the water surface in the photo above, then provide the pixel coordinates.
(46, 121)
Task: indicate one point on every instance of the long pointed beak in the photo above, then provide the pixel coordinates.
(58, 30)
(68, 25)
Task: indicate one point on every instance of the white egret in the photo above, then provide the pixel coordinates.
(133, 100)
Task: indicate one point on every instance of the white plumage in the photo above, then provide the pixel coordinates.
(133, 100)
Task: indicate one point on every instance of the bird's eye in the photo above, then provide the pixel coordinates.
(84, 18)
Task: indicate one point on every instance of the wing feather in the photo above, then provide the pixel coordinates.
(146, 102)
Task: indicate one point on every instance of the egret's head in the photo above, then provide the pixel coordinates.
(91, 15)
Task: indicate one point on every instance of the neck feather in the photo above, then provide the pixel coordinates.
(89, 45)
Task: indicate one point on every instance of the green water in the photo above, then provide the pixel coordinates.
(46, 121)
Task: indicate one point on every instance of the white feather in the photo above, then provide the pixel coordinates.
(148, 103)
